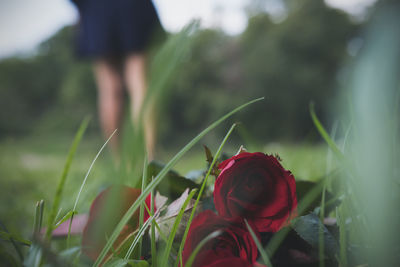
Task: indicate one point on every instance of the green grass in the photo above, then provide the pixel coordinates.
(306, 161)
(30, 168)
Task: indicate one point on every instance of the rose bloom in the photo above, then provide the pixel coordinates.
(233, 247)
(256, 187)
(106, 211)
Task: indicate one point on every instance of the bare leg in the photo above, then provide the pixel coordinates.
(110, 100)
(135, 75)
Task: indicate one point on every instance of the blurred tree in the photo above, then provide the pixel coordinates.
(48, 91)
(291, 63)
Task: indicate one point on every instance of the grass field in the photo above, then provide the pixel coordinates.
(30, 169)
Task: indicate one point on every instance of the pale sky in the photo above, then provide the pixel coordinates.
(26, 23)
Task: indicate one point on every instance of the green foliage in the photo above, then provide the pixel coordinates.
(371, 181)
(159, 178)
(173, 184)
(175, 227)
(290, 63)
(61, 184)
(126, 263)
(308, 228)
(37, 91)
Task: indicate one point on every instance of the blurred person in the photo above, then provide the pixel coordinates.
(115, 34)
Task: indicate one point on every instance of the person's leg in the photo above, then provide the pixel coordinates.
(110, 100)
(136, 82)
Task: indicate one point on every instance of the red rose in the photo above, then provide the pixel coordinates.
(255, 186)
(233, 247)
(105, 213)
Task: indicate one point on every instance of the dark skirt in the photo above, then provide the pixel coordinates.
(115, 28)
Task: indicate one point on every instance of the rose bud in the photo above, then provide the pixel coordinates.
(256, 187)
(233, 247)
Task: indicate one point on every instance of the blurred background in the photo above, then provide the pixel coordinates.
(292, 52)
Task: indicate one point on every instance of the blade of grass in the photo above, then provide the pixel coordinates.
(153, 235)
(60, 187)
(14, 238)
(189, 262)
(162, 235)
(154, 225)
(141, 230)
(34, 256)
(342, 236)
(38, 220)
(58, 214)
(202, 189)
(74, 211)
(263, 253)
(175, 226)
(325, 134)
(158, 179)
(321, 244)
(138, 237)
(66, 217)
(90, 169)
(141, 210)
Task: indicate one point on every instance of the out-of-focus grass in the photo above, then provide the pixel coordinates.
(305, 161)
(30, 169)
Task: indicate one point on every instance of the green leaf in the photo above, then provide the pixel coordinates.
(61, 184)
(126, 263)
(342, 235)
(332, 145)
(308, 228)
(141, 210)
(70, 252)
(173, 185)
(138, 237)
(34, 256)
(74, 211)
(13, 237)
(38, 220)
(177, 222)
(305, 187)
(209, 155)
(66, 217)
(159, 178)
